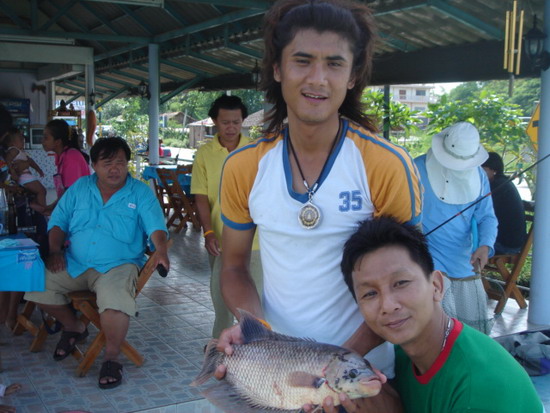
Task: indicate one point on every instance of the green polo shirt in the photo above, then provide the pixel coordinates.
(206, 177)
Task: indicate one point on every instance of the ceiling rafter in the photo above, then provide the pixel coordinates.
(60, 13)
(466, 18)
(136, 18)
(12, 15)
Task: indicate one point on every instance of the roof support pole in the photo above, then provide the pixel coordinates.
(89, 74)
(154, 89)
(539, 305)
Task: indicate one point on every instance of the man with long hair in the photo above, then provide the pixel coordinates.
(307, 183)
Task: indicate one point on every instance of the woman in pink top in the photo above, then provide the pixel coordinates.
(70, 162)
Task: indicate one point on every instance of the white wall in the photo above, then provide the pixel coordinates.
(19, 85)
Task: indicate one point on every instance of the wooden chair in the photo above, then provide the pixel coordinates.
(85, 302)
(509, 268)
(162, 196)
(180, 202)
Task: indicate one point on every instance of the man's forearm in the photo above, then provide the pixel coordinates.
(56, 239)
(239, 292)
(160, 240)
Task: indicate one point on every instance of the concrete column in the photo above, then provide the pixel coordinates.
(89, 75)
(539, 302)
(154, 89)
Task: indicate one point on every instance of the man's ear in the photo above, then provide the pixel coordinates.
(351, 82)
(438, 282)
(276, 73)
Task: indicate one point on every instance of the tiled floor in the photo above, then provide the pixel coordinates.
(173, 325)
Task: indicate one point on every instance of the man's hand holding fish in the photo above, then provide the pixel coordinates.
(274, 371)
(386, 401)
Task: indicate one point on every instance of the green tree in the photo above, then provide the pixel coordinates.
(403, 120)
(526, 92)
(498, 122)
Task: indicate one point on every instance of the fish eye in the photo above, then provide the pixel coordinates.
(353, 373)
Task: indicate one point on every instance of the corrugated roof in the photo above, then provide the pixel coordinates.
(214, 44)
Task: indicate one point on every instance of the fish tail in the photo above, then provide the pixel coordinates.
(212, 359)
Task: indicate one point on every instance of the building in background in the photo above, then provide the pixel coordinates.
(415, 96)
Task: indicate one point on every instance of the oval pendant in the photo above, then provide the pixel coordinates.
(310, 216)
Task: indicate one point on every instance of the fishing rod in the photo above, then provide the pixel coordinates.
(514, 176)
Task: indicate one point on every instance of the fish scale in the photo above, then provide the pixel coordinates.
(279, 359)
(283, 373)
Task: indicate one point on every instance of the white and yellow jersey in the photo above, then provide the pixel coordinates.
(366, 176)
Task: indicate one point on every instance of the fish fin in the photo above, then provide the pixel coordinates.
(225, 397)
(211, 361)
(254, 330)
(304, 379)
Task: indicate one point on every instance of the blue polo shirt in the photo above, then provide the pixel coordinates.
(103, 236)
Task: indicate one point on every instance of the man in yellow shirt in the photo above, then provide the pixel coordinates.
(227, 113)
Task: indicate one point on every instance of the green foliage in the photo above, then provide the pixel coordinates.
(498, 122)
(174, 137)
(255, 132)
(402, 118)
(526, 92)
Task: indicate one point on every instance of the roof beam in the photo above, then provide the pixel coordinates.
(98, 15)
(217, 62)
(466, 18)
(181, 67)
(136, 18)
(110, 97)
(60, 13)
(227, 18)
(12, 15)
(129, 75)
(244, 4)
(166, 75)
(44, 53)
(114, 80)
(183, 87)
(142, 40)
(244, 50)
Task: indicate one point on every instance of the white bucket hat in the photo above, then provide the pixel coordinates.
(457, 147)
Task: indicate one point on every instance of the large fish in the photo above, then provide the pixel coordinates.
(282, 373)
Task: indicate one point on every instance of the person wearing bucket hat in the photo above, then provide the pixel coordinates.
(453, 179)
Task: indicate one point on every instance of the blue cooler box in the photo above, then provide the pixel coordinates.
(21, 268)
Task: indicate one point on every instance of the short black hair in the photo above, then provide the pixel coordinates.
(381, 232)
(227, 102)
(105, 148)
(495, 162)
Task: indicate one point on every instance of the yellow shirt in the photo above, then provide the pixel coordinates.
(206, 177)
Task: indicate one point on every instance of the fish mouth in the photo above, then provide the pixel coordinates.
(371, 386)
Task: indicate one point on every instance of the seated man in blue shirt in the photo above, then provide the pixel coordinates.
(98, 234)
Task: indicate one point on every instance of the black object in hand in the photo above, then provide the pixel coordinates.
(161, 269)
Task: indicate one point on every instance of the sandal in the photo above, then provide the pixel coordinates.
(66, 345)
(113, 369)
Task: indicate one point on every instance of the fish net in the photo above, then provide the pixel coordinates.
(466, 300)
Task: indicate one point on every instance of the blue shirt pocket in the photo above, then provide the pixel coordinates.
(122, 225)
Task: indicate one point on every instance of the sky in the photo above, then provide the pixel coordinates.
(441, 88)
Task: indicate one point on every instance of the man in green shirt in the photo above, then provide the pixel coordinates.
(227, 113)
(442, 365)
